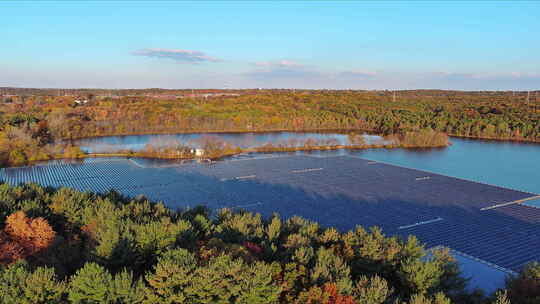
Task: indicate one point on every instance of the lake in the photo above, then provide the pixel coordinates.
(507, 164)
(512, 165)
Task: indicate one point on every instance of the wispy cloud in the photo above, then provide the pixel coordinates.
(512, 75)
(282, 70)
(286, 73)
(279, 64)
(452, 76)
(357, 74)
(477, 81)
(181, 56)
(483, 76)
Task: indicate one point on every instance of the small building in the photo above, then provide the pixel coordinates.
(81, 101)
(198, 152)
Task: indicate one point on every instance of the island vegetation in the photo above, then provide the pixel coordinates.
(64, 246)
(213, 147)
(37, 124)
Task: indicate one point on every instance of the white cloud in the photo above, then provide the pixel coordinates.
(283, 73)
(357, 74)
(182, 56)
(279, 64)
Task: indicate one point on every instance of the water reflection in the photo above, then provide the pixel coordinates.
(242, 140)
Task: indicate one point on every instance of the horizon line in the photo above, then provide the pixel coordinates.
(261, 88)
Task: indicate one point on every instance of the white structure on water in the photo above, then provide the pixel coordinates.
(198, 152)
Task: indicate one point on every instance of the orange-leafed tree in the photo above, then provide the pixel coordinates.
(9, 251)
(334, 297)
(23, 237)
(327, 294)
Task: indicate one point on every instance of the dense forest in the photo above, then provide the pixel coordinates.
(39, 125)
(64, 246)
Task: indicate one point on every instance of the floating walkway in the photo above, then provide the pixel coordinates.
(421, 223)
(532, 198)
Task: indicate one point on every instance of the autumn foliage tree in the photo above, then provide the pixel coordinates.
(327, 294)
(334, 297)
(23, 237)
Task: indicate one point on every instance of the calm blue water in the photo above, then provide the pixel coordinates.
(243, 140)
(507, 164)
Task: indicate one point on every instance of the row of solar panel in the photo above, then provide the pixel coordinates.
(344, 193)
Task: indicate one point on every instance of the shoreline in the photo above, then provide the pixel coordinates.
(509, 139)
(131, 154)
(322, 131)
(266, 149)
(233, 131)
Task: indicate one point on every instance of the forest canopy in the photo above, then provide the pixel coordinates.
(65, 246)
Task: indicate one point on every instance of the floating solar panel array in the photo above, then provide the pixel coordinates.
(484, 221)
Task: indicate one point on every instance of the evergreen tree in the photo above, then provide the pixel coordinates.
(19, 285)
(373, 290)
(171, 276)
(91, 284)
(331, 268)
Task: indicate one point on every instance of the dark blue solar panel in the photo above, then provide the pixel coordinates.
(335, 191)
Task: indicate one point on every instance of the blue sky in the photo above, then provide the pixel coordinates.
(304, 44)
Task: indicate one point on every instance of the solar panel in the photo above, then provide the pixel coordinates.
(485, 221)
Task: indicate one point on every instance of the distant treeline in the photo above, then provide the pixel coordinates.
(28, 124)
(27, 92)
(64, 246)
(143, 92)
(488, 116)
